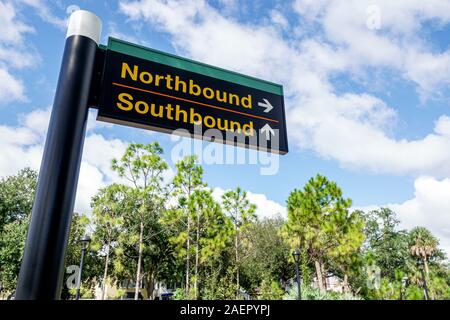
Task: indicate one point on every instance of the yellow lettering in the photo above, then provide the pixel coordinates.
(247, 102)
(233, 125)
(248, 129)
(194, 116)
(138, 108)
(179, 82)
(236, 99)
(126, 69)
(169, 109)
(178, 111)
(160, 113)
(146, 77)
(223, 98)
(221, 126)
(157, 78)
(208, 93)
(193, 86)
(210, 122)
(122, 98)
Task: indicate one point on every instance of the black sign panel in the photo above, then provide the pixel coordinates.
(147, 94)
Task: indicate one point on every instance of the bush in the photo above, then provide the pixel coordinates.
(270, 290)
(309, 293)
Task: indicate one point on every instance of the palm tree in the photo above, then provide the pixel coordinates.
(423, 245)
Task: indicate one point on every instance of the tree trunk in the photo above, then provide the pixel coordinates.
(324, 276)
(319, 275)
(345, 288)
(151, 285)
(138, 272)
(105, 273)
(427, 271)
(425, 264)
(188, 248)
(197, 251)
(236, 244)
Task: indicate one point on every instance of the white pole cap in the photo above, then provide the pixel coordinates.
(84, 23)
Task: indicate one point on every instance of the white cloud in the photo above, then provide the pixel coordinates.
(12, 28)
(22, 146)
(12, 53)
(11, 89)
(90, 181)
(45, 13)
(277, 18)
(429, 208)
(266, 208)
(15, 52)
(99, 151)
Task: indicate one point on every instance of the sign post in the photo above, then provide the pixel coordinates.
(42, 266)
(140, 87)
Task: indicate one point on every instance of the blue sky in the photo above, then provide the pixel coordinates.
(366, 86)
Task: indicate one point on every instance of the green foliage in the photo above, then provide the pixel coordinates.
(212, 227)
(242, 214)
(107, 211)
(267, 256)
(92, 263)
(310, 293)
(142, 246)
(17, 196)
(385, 246)
(189, 177)
(270, 290)
(16, 201)
(422, 243)
(320, 223)
(218, 286)
(12, 243)
(179, 294)
(239, 209)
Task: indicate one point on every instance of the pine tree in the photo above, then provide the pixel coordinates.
(242, 214)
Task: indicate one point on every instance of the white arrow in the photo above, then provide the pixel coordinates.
(268, 130)
(266, 104)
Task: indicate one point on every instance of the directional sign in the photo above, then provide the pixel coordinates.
(146, 88)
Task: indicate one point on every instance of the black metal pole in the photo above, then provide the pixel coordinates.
(83, 252)
(298, 282)
(42, 266)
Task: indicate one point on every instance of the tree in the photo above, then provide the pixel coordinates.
(344, 253)
(17, 196)
(385, 246)
(242, 214)
(143, 166)
(16, 202)
(12, 243)
(267, 256)
(394, 252)
(108, 207)
(212, 231)
(189, 177)
(317, 219)
(79, 227)
(423, 245)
